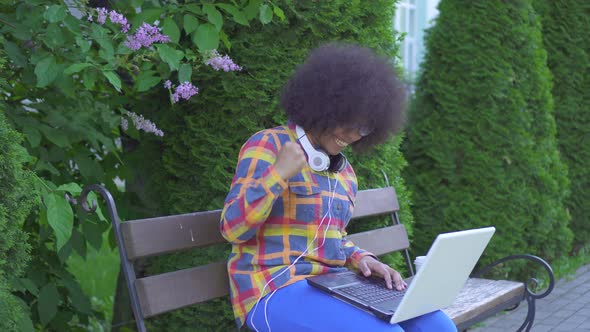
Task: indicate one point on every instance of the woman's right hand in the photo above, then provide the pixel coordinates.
(290, 160)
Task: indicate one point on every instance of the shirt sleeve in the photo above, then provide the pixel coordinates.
(255, 187)
(353, 253)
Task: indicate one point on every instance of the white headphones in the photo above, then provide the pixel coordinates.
(319, 160)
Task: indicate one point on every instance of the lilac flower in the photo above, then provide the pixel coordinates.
(167, 84)
(118, 18)
(224, 63)
(124, 124)
(90, 18)
(144, 124)
(102, 15)
(184, 91)
(132, 43)
(145, 36)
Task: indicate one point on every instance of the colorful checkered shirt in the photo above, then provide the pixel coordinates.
(271, 222)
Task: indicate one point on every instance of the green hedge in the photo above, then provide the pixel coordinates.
(565, 31)
(481, 141)
(17, 199)
(203, 139)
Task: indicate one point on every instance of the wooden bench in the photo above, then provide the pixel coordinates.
(157, 294)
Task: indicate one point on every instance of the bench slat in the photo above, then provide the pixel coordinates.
(480, 296)
(374, 202)
(157, 236)
(383, 240)
(169, 291)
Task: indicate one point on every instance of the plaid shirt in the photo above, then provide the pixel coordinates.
(271, 222)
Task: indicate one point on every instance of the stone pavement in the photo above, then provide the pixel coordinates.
(566, 309)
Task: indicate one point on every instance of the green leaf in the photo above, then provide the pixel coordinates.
(190, 23)
(60, 218)
(48, 301)
(171, 56)
(73, 25)
(15, 54)
(252, 9)
(279, 12)
(89, 78)
(25, 324)
(56, 136)
(113, 79)
(89, 168)
(76, 68)
(79, 300)
(102, 37)
(225, 40)
(72, 187)
(45, 166)
(67, 85)
(213, 15)
(136, 3)
(146, 80)
(148, 16)
(193, 8)
(185, 72)
(32, 135)
(29, 285)
(237, 15)
(265, 14)
(170, 29)
(46, 71)
(92, 232)
(65, 252)
(83, 43)
(54, 37)
(78, 243)
(55, 13)
(206, 37)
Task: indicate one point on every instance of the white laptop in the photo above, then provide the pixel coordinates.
(437, 283)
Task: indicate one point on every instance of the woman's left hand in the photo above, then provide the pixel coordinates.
(369, 265)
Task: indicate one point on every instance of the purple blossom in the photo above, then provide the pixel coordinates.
(90, 18)
(144, 124)
(124, 124)
(224, 63)
(118, 18)
(102, 15)
(184, 91)
(167, 84)
(145, 36)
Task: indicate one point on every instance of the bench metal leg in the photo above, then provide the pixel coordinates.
(126, 264)
(530, 318)
(529, 295)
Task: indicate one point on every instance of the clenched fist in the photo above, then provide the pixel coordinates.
(290, 160)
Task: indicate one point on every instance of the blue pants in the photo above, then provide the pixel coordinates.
(300, 307)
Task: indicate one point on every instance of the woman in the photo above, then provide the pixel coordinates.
(293, 194)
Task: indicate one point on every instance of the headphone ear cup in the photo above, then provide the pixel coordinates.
(337, 163)
(318, 161)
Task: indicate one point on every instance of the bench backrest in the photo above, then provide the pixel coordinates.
(169, 291)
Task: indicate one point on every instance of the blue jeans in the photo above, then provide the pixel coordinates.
(300, 307)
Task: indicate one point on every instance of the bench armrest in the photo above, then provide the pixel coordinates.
(531, 281)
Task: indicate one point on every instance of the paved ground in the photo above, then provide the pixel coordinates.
(566, 309)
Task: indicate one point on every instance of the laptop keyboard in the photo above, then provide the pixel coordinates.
(372, 292)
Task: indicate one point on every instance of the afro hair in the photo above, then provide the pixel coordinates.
(346, 85)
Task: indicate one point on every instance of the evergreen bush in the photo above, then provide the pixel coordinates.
(200, 152)
(17, 199)
(481, 141)
(565, 38)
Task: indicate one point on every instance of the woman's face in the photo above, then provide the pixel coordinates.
(334, 141)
